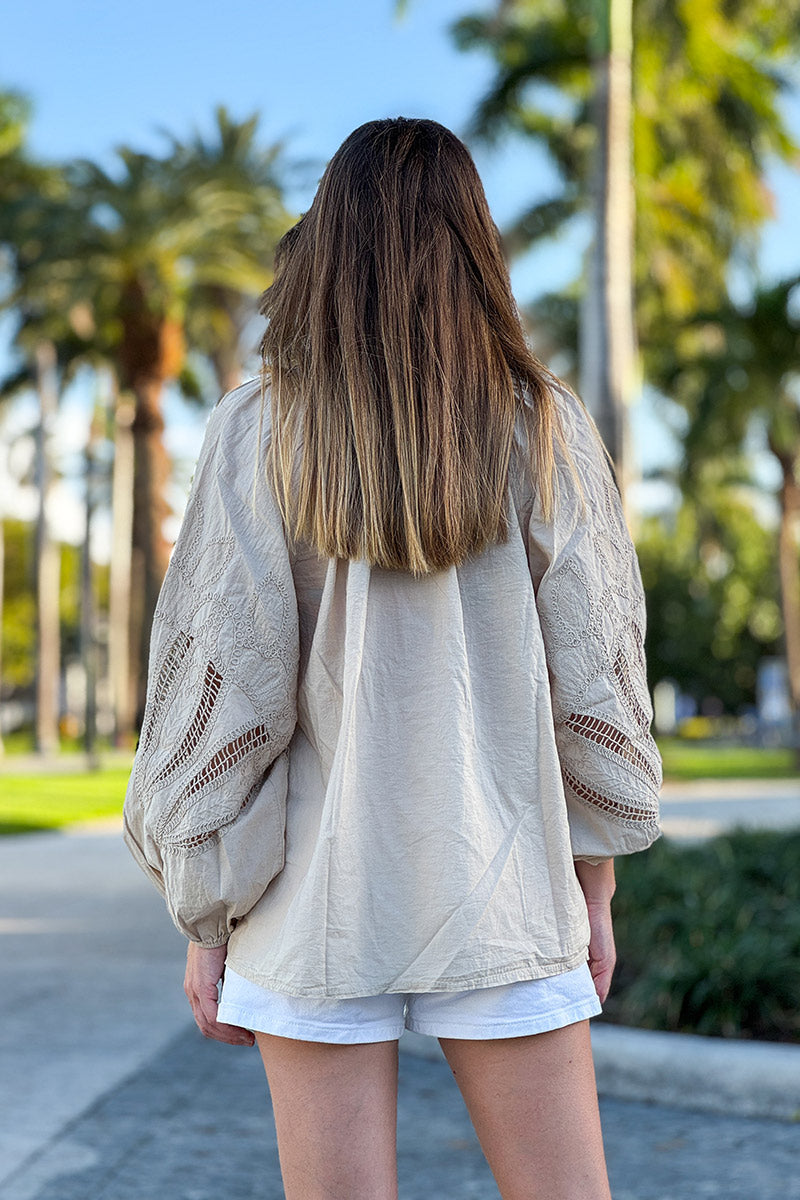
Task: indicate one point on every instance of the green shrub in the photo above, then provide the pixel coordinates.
(708, 937)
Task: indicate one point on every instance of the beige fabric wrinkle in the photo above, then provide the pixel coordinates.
(383, 781)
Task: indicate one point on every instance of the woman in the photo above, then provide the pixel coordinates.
(397, 725)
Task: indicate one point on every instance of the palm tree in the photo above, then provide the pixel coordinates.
(31, 200)
(13, 128)
(140, 233)
(14, 115)
(735, 371)
(123, 268)
(607, 360)
(49, 363)
(221, 303)
(169, 247)
(121, 412)
(705, 81)
(48, 559)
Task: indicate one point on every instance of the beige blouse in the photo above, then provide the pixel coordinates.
(366, 782)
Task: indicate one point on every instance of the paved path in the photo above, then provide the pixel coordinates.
(91, 980)
(100, 1059)
(705, 807)
(193, 1124)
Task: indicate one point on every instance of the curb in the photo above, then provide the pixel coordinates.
(787, 787)
(683, 1070)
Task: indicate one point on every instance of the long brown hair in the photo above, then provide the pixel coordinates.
(396, 359)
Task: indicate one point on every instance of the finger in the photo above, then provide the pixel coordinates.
(205, 1011)
(208, 1001)
(233, 1034)
(601, 972)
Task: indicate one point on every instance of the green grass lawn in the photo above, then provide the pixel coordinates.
(47, 801)
(34, 802)
(689, 760)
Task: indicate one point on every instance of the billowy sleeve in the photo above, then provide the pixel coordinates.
(205, 807)
(592, 611)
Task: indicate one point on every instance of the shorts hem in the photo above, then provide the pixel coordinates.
(345, 1035)
(487, 1030)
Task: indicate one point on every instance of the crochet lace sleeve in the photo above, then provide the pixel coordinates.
(205, 806)
(592, 612)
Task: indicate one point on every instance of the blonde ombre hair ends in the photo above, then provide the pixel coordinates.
(396, 359)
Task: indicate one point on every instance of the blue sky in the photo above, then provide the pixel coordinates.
(104, 74)
(101, 74)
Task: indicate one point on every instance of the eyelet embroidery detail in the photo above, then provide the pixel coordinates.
(613, 805)
(172, 831)
(627, 695)
(592, 611)
(167, 675)
(196, 842)
(224, 659)
(604, 734)
(211, 686)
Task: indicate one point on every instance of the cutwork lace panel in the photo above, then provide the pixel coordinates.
(591, 606)
(221, 703)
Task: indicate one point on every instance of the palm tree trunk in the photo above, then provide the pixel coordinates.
(226, 356)
(48, 562)
(609, 376)
(2, 564)
(228, 370)
(152, 351)
(789, 568)
(88, 640)
(151, 550)
(119, 601)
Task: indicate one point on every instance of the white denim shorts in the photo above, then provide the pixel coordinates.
(510, 1010)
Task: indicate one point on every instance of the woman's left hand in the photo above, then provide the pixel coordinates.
(597, 883)
(204, 968)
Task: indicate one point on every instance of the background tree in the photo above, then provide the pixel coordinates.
(736, 371)
(713, 601)
(167, 244)
(14, 115)
(13, 128)
(31, 204)
(706, 79)
(221, 303)
(122, 269)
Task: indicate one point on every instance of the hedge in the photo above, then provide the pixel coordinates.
(708, 937)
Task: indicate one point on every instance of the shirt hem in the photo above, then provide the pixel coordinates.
(511, 973)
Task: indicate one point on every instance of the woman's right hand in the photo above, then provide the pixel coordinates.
(204, 967)
(597, 883)
(602, 951)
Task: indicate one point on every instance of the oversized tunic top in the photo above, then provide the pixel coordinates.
(365, 781)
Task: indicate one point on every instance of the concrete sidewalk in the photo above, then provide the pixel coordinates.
(91, 980)
(702, 808)
(108, 1091)
(193, 1123)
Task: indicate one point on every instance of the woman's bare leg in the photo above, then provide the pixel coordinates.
(533, 1103)
(336, 1117)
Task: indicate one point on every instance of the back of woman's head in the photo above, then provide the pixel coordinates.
(396, 358)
